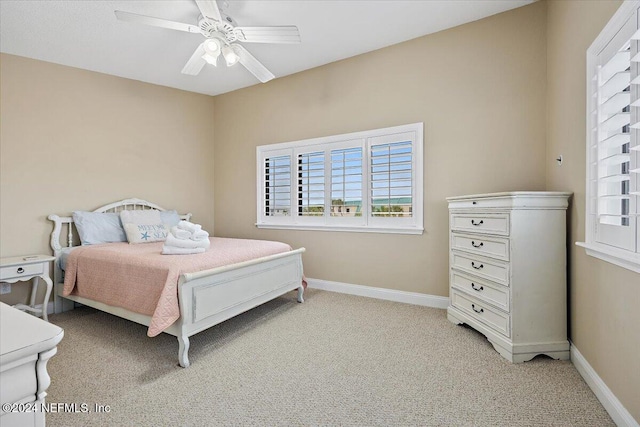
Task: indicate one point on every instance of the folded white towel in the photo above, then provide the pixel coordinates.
(180, 233)
(199, 235)
(186, 243)
(172, 250)
(189, 226)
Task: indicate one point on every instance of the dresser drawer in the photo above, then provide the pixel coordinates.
(484, 313)
(485, 223)
(17, 271)
(497, 247)
(492, 269)
(484, 290)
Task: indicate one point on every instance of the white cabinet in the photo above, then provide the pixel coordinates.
(507, 276)
(26, 345)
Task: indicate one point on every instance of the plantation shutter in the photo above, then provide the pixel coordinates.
(277, 186)
(615, 118)
(334, 182)
(346, 182)
(391, 171)
(311, 195)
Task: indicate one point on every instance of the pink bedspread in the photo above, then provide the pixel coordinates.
(140, 279)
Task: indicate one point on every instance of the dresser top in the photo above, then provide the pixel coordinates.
(22, 334)
(513, 199)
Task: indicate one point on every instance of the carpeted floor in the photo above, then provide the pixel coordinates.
(334, 360)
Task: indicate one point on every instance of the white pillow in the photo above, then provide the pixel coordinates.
(95, 228)
(170, 218)
(144, 226)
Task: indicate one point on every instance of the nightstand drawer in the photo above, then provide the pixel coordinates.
(484, 290)
(492, 269)
(485, 223)
(16, 271)
(491, 317)
(497, 247)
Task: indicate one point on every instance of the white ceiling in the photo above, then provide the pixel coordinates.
(86, 34)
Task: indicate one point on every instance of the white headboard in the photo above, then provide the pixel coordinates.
(122, 205)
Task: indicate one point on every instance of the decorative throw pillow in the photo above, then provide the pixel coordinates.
(170, 218)
(144, 226)
(95, 228)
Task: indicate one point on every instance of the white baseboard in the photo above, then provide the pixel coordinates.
(614, 407)
(380, 293)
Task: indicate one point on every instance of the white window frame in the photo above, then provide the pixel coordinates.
(326, 222)
(619, 245)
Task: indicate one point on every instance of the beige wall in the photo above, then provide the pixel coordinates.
(75, 140)
(604, 299)
(478, 88)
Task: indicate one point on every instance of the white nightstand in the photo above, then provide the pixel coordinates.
(25, 268)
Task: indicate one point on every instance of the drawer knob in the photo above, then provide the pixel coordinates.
(20, 270)
(476, 246)
(473, 264)
(473, 306)
(473, 286)
(473, 222)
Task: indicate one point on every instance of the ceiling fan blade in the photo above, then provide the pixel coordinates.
(155, 22)
(282, 34)
(254, 66)
(196, 62)
(209, 9)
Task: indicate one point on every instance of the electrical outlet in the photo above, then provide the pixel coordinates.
(6, 288)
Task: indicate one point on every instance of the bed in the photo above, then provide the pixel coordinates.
(206, 295)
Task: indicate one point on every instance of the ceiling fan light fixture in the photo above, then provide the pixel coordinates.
(221, 32)
(212, 46)
(212, 51)
(230, 55)
(213, 60)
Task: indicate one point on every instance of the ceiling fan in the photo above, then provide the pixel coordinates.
(222, 35)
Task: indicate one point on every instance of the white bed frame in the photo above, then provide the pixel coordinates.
(207, 297)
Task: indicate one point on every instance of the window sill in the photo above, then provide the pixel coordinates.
(623, 259)
(307, 227)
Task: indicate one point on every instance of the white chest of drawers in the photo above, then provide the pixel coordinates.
(26, 345)
(508, 269)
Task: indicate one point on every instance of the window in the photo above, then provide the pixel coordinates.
(613, 141)
(367, 181)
